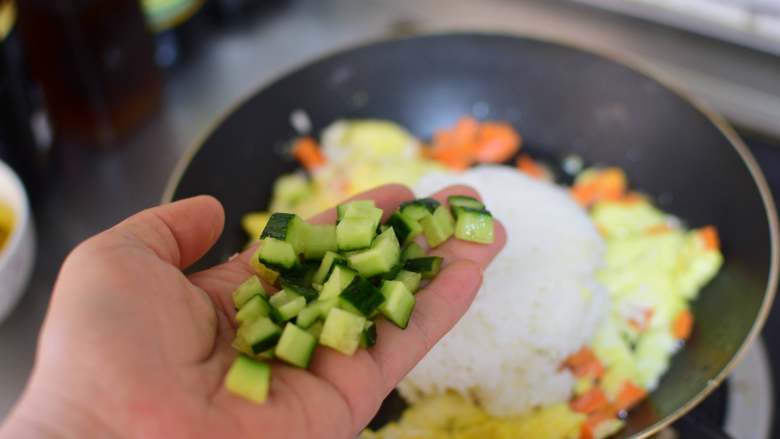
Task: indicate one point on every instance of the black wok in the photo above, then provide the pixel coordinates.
(563, 100)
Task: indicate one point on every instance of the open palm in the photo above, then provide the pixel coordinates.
(132, 347)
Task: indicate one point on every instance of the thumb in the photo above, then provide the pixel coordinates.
(180, 232)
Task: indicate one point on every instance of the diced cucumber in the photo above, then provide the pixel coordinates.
(248, 289)
(339, 278)
(326, 266)
(320, 239)
(383, 255)
(410, 279)
(406, 229)
(295, 346)
(368, 336)
(308, 293)
(428, 266)
(438, 227)
(249, 379)
(302, 274)
(412, 251)
(355, 233)
(419, 208)
(390, 275)
(362, 205)
(286, 227)
(342, 330)
(256, 307)
(361, 209)
(475, 225)
(286, 304)
(464, 201)
(261, 270)
(261, 334)
(315, 329)
(278, 255)
(242, 346)
(314, 311)
(399, 303)
(361, 296)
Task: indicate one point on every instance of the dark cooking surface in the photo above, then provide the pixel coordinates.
(563, 101)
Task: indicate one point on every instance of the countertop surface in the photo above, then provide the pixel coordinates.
(89, 192)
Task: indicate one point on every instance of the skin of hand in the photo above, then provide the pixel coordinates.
(133, 347)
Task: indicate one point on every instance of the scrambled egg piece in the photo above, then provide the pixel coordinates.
(450, 416)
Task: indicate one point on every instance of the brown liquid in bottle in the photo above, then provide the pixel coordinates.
(95, 62)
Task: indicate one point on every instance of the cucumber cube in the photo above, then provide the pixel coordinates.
(419, 208)
(250, 288)
(361, 297)
(413, 250)
(338, 280)
(361, 205)
(410, 279)
(406, 229)
(314, 312)
(383, 255)
(261, 334)
(278, 255)
(286, 304)
(361, 209)
(329, 260)
(368, 336)
(286, 227)
(456, 201)
(295, 346)
(399, 303)
(474, 225)
(249, 379)
(315, 329)
(256, 307)
(428, 266)
(342, 330)
(355, 233)
(438, 227)
(320, 239)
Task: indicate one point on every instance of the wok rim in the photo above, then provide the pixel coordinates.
(640, 67)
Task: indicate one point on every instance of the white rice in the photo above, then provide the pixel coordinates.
(540, 301)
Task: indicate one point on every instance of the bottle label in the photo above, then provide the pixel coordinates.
(7, 18)
(166, 14)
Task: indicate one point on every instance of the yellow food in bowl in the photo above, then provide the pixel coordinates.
(6, 223)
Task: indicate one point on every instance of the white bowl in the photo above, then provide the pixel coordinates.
(18, 253)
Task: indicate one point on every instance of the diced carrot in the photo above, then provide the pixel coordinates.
(308, 153)
(528, 166)
(589, 425)
(631, 198)
(584, 363)
(682, 325)
(605, 184)
(709, 236)
(455, 147)
(591, 401)
(658, 229)
(496, 142)
(641, 324)
(629, 395)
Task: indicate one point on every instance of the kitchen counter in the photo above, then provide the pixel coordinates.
(89, 192)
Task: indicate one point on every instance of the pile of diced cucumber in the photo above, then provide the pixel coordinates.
(334, 280)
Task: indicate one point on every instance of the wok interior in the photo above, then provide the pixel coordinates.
(562, 101)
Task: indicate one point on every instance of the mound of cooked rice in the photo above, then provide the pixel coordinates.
(540, 301)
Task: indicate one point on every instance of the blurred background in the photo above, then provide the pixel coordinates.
(100, 98)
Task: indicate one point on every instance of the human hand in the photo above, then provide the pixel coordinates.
(132, 347)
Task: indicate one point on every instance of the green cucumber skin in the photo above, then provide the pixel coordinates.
(368, 337)
(464, 201)
(277, 226)
(428, 266)
(362, 295)
(428, 203)
(406, 229)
